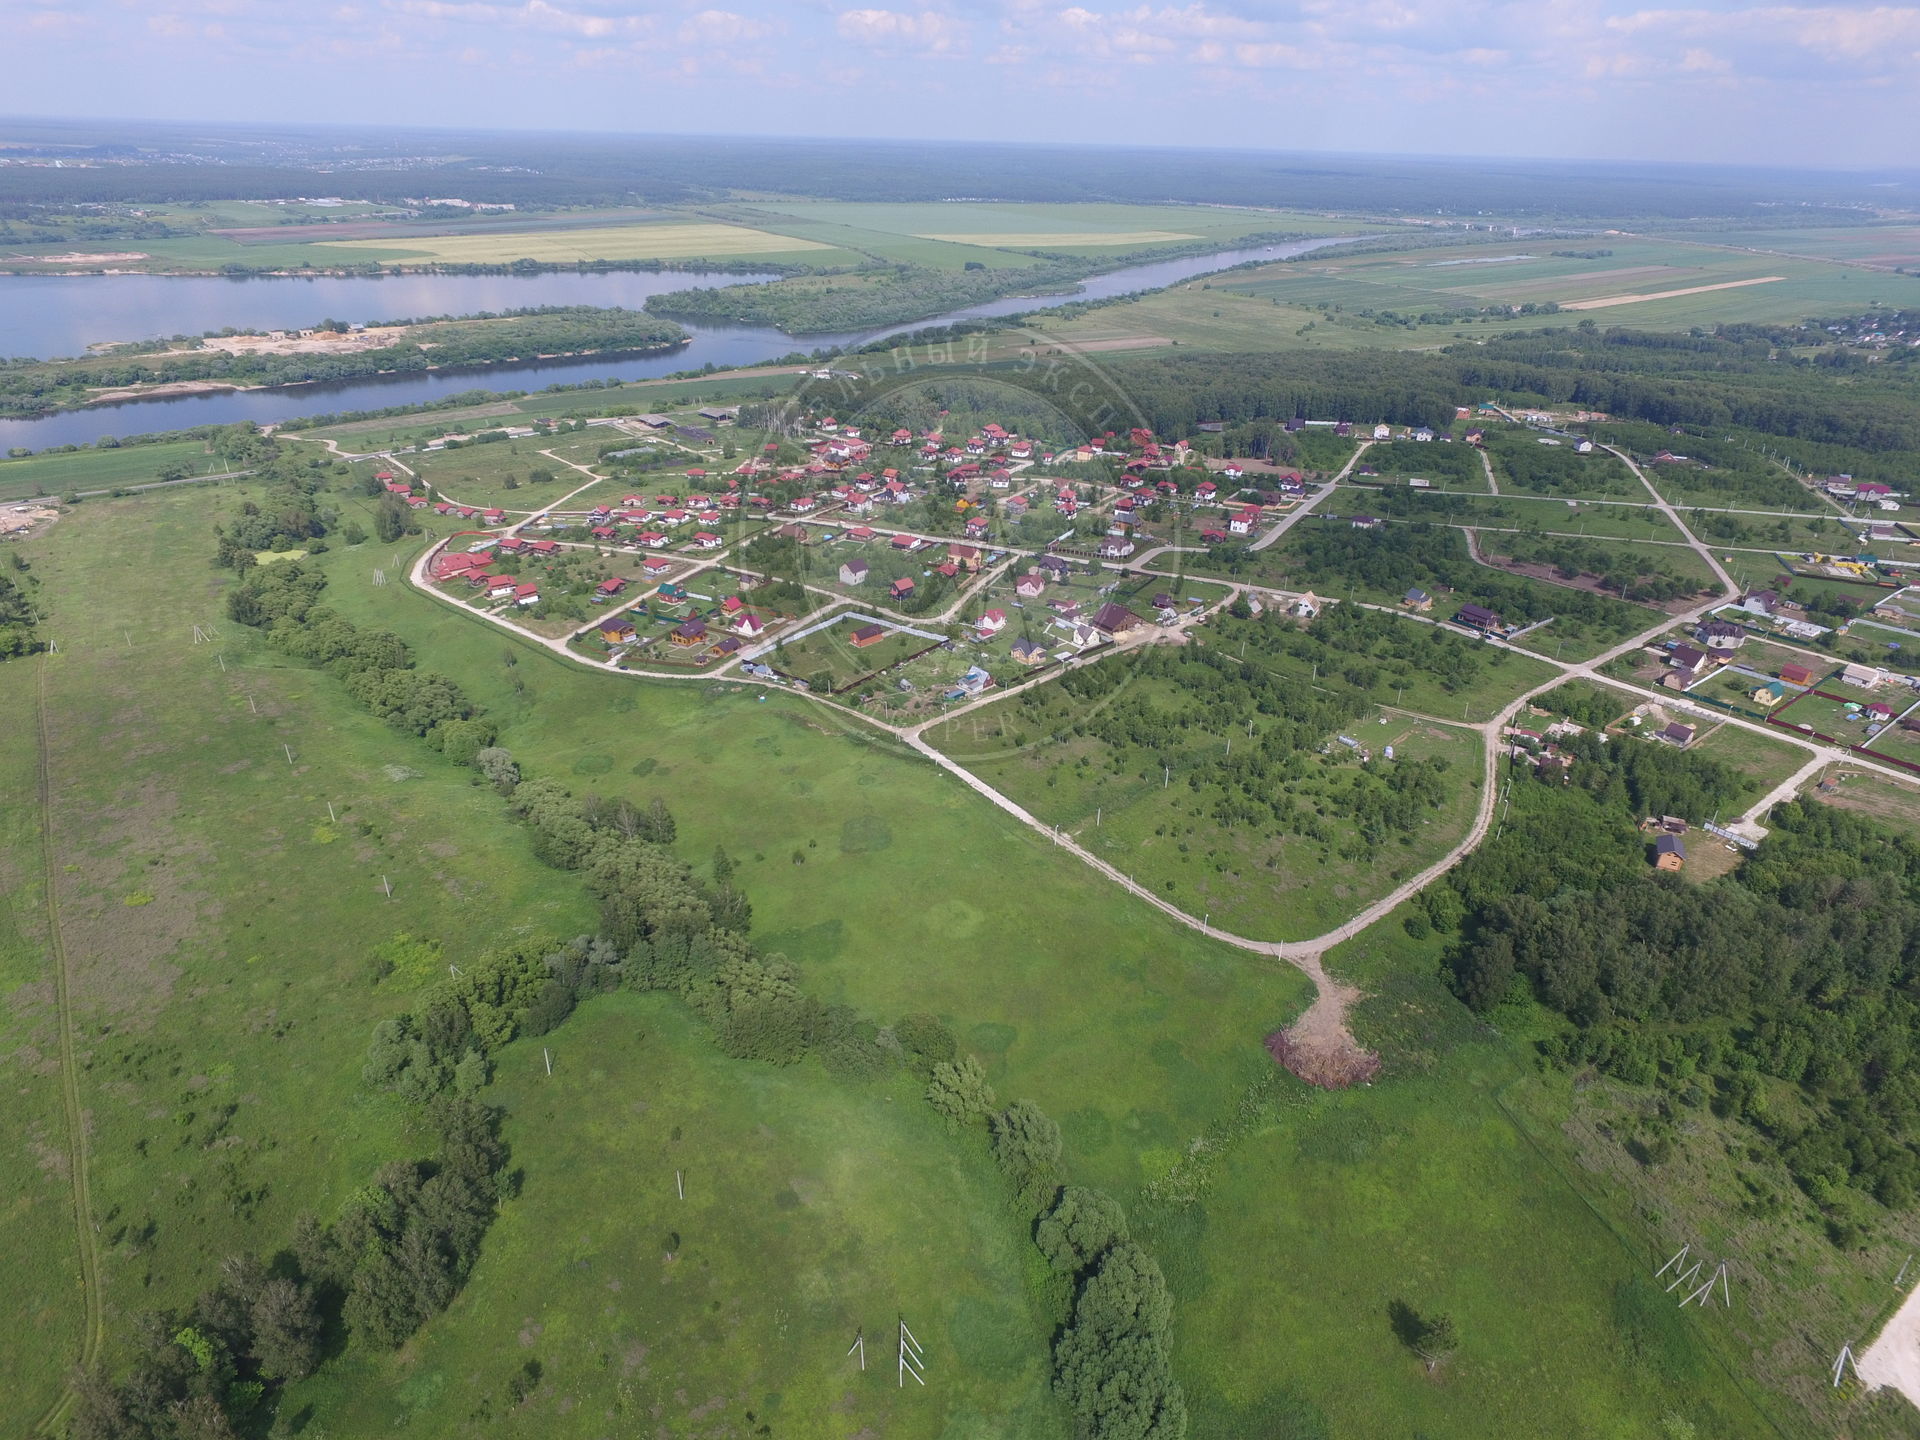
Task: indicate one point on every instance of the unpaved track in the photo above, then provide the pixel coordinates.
(86, 1243)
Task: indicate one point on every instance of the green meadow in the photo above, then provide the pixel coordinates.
(221, 921)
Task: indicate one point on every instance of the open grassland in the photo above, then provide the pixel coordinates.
(1075, 229)
(80, 470)
(660, 241)
(812, 1210)
(816, 1210)
(863, 863)
(40, 1284)
(1468, 278)
(1421, 1190)
(1503, 512)
(216, 920)
(1887, 245)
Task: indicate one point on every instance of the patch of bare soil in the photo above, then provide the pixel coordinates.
(323, 342)
(1318, 1047)
(154, 392)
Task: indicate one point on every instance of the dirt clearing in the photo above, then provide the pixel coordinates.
(1607, 302)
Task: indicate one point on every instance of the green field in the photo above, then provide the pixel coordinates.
(82, 470)
(1504, 512)
(1144, 772)
(816, 1210)
(206, 981)
(947, 235)
(1765, 763)
(1429, 297)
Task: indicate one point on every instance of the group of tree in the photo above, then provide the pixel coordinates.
(1796, 972)
(376, 666)
(19, 618)
(394, 1257)
(33, 387)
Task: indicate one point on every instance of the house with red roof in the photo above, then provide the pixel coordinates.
(656, 565)
(901, 588)
(707, 540)
(607, 589)
(1245, 521)
(991, 623)
(527, 594)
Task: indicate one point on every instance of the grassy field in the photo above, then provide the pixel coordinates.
(1248, 876)
(832, 652)
(1504, 512)
(208, 981)
(1894, 244)
(1424, 1189)
(948, 235)
(62, 474)
(895, 889)
(40, 1283)
(1765, 763)
(1430, 297)
(815, 1211)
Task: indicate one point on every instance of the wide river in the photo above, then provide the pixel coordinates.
(61, 315)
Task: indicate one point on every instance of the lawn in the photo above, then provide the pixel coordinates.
(661, 240)
(816, 1211)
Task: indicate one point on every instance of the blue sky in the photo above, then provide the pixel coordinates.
(1791, 84)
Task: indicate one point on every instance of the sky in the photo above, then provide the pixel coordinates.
(1823, 85)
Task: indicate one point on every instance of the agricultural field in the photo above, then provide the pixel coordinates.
(952, 233)
(483, 243)
(1429, 297)
(1882, 245)
(660, 240)
(1638, 283)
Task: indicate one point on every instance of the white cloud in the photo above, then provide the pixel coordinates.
(722, 27)
(928, 32)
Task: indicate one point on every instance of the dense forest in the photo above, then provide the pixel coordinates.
(35, 387)
(1781, 995)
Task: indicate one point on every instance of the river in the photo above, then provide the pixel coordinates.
(54, 315)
